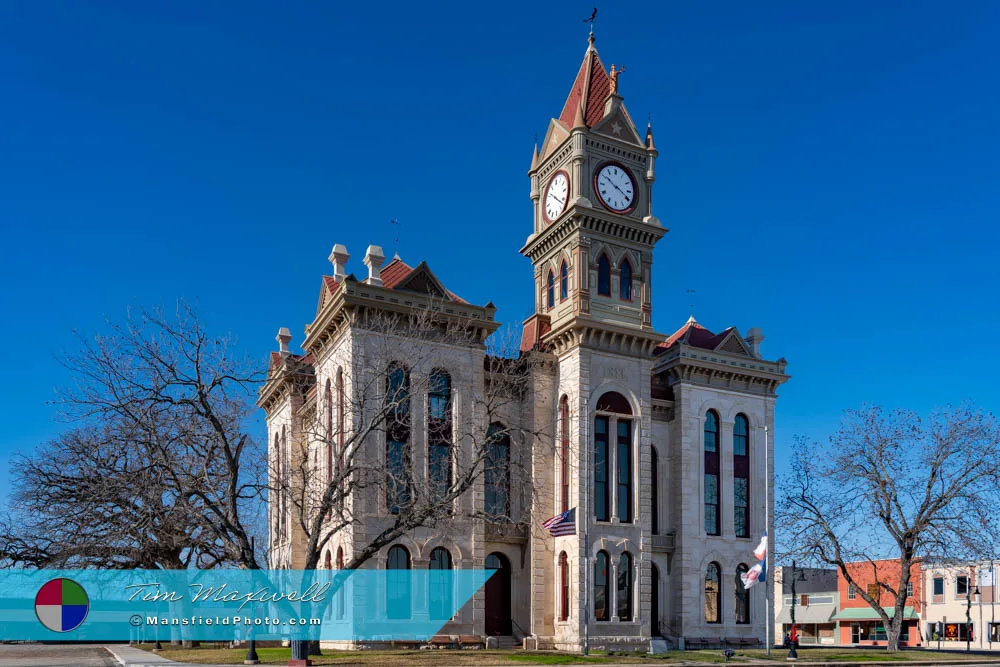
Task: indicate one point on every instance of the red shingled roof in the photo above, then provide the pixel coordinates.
(397, 271)
(695, 335)
(591, 87)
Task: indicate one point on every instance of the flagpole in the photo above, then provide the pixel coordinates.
(767, 528)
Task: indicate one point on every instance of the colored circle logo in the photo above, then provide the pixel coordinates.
(61, 605)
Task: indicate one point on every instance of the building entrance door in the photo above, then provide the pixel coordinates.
(498, 621)
(855, 633)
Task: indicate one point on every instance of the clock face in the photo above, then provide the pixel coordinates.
(556, 195)
(615, 187)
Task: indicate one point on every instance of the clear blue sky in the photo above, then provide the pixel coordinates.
(829, 172)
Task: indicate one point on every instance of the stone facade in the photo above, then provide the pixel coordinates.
(598, 370)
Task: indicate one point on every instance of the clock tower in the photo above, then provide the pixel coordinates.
(591, 247)
(594, 229)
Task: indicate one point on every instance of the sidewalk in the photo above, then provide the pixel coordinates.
(129, 656)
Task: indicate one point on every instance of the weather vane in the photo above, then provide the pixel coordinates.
(691, 292)
(591, 21)
(395, 237)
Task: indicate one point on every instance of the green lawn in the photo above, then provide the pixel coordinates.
(480, 658)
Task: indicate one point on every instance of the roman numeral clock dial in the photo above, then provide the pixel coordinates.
(556, 196)
(615, 187)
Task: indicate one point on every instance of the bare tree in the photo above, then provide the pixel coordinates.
(162, 410)
(91, 498)
(893, 485)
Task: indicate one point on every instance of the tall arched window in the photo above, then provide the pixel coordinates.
(654, 491)
(741, 475)
(439, 433)
(563, 281)
(397, 443)
(551, 289)
(397, 586)
(604, 275)
(563, 587)
(283, 476)
(713, 593)
(741, 605)
(712, 473)
(340, 589)
(602, 584)
(625, 587)
(625, 286)
(564, 452)
(613, 411)
(340, 421)
(328, 400)
(440, 584)
(497, 474)
(277, 493)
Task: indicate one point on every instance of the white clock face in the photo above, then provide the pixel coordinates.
(556, 196)
(615, 187)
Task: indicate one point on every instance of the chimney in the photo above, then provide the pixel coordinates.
(754, 338)
(373, 260)
(284, 337)
(338, 257)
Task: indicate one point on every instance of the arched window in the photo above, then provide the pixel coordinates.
(439, 433)
(625, 284)
(614, 403)
(563, 281)
(741, 605)
(397, 588)
(397, 442)
(340, 589)
(340, 420)
(713, 593)
(712, 514)
(277, 493)
(741, 475)
(440, 584)
(563, 587)
(551, 290)
(602, 582)
(625, 587)
(328, 400)
(564, 451)
(497, 474)
(283, 477)
(654, 491)
(604, 275)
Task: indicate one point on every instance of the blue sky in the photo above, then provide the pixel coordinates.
(830, 172)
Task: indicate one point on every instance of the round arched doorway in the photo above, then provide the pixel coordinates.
(498, 621)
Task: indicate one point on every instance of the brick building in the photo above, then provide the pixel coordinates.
(859, 624)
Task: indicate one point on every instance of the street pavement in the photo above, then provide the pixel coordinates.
(51, 655)
(121, 655)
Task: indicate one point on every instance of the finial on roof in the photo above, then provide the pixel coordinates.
(395, 255)
(691, 320)
(649, 136)
(534, 155)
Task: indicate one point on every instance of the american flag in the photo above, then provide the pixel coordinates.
(562, 524)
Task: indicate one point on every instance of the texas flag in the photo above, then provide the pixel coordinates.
(761, 551)
(755, 575)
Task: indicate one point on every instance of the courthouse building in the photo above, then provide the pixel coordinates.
(659, 440)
